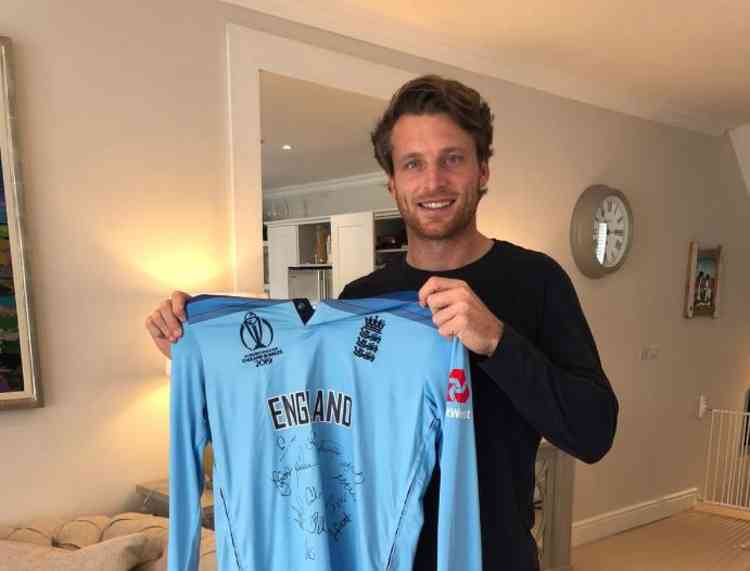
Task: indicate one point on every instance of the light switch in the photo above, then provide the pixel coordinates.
(650, 353)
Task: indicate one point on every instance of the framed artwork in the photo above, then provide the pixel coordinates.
(19, 379)
(703, 281)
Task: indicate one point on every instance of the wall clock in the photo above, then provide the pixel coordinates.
(601, 230)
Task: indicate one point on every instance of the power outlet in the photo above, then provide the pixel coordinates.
(702, 405)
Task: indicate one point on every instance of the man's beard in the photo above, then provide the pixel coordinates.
(455, 226)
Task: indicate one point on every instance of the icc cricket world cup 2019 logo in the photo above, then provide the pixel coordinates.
(256, 334)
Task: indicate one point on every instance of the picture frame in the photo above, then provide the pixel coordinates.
(20, 386)
(702, 291)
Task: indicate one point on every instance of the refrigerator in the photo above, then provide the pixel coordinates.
(311, 281)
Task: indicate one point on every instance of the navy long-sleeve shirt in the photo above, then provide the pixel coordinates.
(545, 379)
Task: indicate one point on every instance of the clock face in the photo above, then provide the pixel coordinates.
(611, 231)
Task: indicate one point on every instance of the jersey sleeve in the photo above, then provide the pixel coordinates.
(459, 533)
(188, 433)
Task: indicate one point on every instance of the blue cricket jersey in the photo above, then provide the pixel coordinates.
(325, 433)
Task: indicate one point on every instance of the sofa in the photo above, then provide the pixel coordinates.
(125, 542)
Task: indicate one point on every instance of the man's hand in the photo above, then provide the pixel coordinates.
(164, 323)
(457, 311)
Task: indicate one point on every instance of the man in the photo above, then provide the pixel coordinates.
(535, 367)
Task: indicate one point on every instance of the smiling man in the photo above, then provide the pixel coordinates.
(534, 362)
(535, 367)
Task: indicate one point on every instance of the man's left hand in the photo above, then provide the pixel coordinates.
(457, 311)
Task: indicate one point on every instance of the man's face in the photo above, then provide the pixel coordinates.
(436, 175)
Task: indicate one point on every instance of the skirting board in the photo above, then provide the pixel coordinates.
(604, 525)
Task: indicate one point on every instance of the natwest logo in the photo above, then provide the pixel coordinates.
(458, 389)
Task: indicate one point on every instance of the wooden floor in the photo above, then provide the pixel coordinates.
(694, 540)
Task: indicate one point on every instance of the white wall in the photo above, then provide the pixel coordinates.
(121, 113)
(121, 120)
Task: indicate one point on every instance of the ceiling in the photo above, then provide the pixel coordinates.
(694, 55)
(327, 128)
(682, 63)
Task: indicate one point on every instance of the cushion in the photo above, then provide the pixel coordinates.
(39, 532)
(80, 532)
(118, 554)
(153, 527)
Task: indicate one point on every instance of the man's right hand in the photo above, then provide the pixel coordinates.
(165, 322)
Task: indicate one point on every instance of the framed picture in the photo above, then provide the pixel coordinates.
(703, 281)
(19, 378)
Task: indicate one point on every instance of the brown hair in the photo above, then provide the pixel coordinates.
(431, 95)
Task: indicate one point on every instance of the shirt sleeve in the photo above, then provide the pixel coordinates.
(459, 533)
(558, 384)
(188, 433)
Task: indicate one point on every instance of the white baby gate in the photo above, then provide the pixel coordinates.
(728, 460)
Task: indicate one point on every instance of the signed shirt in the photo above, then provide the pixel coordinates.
(326, 426)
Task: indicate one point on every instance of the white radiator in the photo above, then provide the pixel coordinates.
(728, 460)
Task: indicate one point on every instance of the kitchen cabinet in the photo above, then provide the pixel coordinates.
(283, 251)
(359, 242)
(352, 248)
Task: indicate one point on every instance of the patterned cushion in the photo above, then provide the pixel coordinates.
(118, 554)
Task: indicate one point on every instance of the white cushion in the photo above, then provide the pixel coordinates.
(118, 554)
